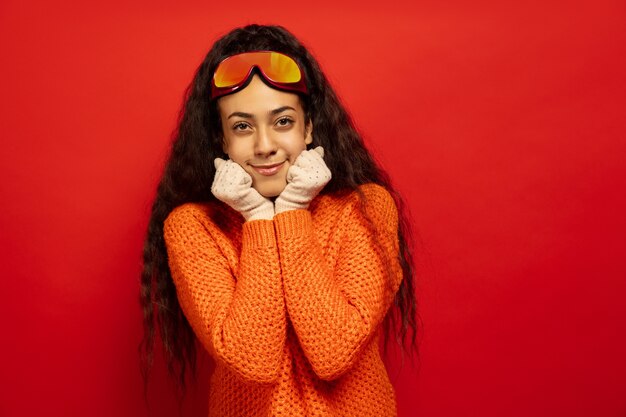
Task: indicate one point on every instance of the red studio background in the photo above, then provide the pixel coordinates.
(502, 124)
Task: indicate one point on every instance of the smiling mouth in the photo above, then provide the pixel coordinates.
(268, 169)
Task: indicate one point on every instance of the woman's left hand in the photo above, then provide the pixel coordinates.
(305, 179)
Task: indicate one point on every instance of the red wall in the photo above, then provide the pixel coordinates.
(502, 125)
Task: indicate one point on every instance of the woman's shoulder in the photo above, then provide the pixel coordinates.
(187, 210)
(193, 212)
(371, 194)
(373, 200)
(379, 204)
(377, 194)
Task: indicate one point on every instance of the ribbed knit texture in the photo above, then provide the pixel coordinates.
(290, 308)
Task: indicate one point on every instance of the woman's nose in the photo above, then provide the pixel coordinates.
(264, 144)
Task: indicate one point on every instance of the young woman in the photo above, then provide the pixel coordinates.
(276, 241)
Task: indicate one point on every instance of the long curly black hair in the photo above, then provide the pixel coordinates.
(188, 176)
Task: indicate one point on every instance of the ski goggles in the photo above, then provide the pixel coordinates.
(278, 70)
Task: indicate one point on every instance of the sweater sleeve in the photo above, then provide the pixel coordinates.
(336, 310)
(239, 316)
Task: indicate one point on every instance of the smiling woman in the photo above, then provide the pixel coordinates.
(265, 130)
(276, 240)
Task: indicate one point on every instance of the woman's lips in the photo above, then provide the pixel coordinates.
(268, 169)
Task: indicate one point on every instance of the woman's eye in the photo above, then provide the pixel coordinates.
(285, 121)
(240, 126)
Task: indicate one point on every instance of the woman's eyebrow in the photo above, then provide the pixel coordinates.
(241, 114)
(281, 109)
(251, 116)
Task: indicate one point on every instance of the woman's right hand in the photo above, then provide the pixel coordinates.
(233, 185)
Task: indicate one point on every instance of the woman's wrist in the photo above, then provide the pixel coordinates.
(264, 211)
(281, 205)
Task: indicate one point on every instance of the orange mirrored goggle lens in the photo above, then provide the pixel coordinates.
(275, 66)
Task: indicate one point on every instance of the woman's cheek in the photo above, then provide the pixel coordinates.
(294, 155)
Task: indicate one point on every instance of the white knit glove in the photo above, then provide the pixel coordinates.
(305, 179)
(233, 185)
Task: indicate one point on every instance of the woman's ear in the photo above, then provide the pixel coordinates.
(308, 132)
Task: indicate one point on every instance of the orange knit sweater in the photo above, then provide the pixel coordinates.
(290, 308)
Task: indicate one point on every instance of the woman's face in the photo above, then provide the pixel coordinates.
(264, 132)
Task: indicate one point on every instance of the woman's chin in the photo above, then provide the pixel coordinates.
(271, 190)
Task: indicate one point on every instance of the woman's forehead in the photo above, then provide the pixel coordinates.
(258, 98)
